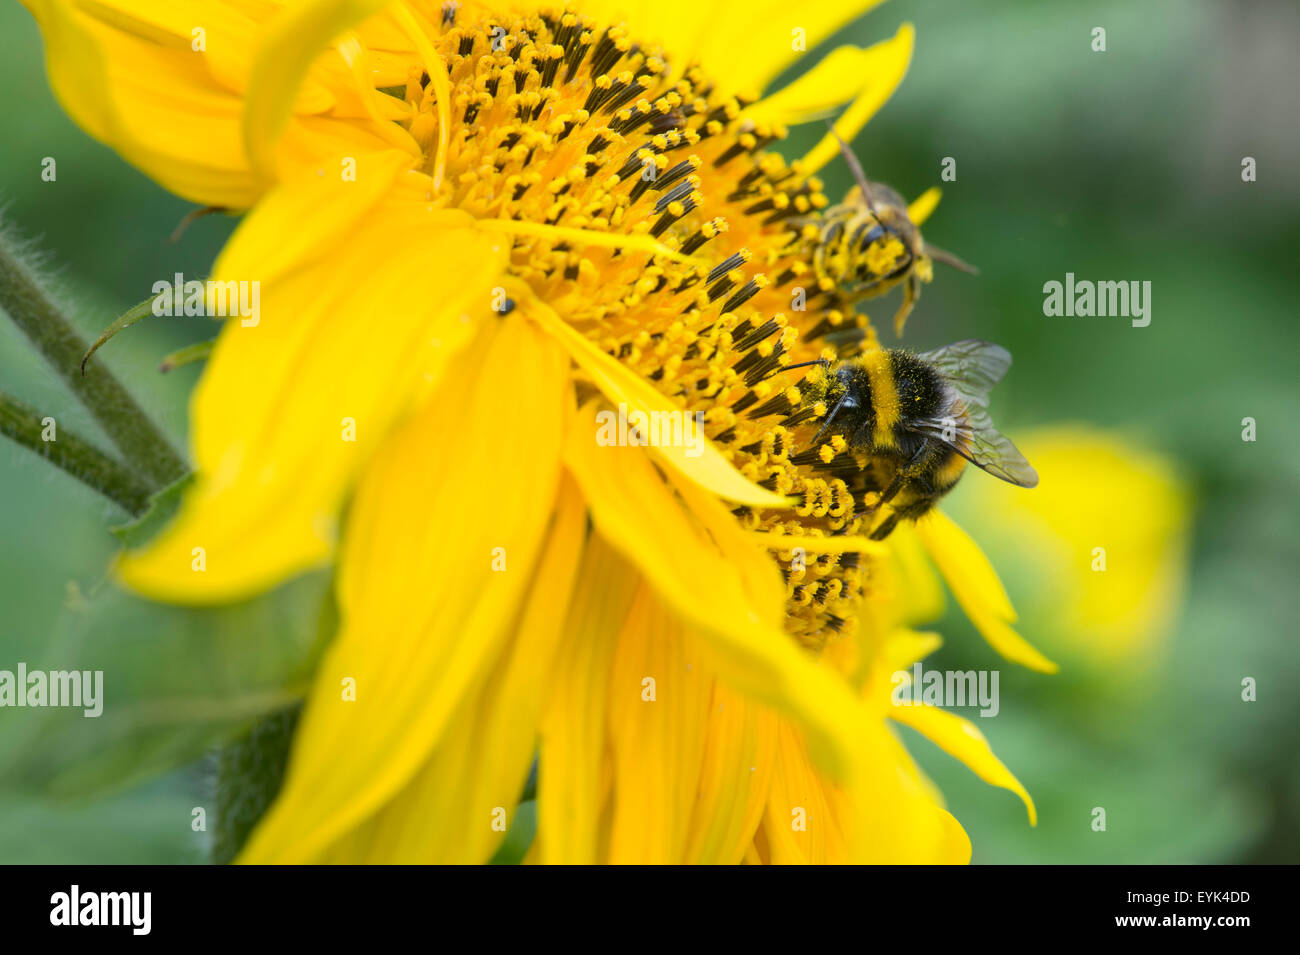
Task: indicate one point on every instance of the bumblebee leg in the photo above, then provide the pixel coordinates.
(909, 512)
(887, 527)
(896, 485)
(831, 417)
(903, 474)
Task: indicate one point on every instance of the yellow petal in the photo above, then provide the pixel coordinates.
(949, 844)
(135, 84)
(885, 815)
(735, 777)
(889, 812)
(975, 585)
(450, 812)
(823, 88)
(920, 596)
(959, 738)
(286, 52)
(442, 541)
(361, 308)
(742, 44)
(571, 779)
(659, 695)
(881, 69)
(800, 822)
(727, 588)
(621, 385)
(1097, 488)
(905, 647)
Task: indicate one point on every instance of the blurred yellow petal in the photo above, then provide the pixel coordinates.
(949, 844)
(659, 697)
(846, 73)
(920, 593)
(289, 408)
(880, 69)
(888, 815)
(905, 647)
(285, 54)
(1104, 538)
(975, 585)
(137, 86)
(951, 548)
(800, 824)
(449, 812)
(889, 812)
(572, 773)
(775, 33)
(437, 560)
(924, 204)
(960, 739)
(735, 777)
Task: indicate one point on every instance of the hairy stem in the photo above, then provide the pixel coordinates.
(73, 454)
(31, 308)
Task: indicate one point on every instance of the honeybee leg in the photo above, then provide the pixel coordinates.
(911, 292)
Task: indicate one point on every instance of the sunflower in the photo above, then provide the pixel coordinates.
(480, 231)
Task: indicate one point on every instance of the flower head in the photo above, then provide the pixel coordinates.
(483, 233)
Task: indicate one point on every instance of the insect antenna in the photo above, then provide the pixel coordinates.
(824, 362)
(947, 258)
(859, 176)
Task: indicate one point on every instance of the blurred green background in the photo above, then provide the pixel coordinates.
(1117, 165)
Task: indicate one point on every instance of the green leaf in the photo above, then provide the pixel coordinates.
(162, 505)
(249, 773)
(134, 314)
(176, 681)
(199, 351)
(519, 835)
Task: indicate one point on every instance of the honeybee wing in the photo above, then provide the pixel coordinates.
(972, 368)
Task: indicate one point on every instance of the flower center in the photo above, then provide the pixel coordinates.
(559, 122)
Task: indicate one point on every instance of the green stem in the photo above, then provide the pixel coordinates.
(73, 454)
(30, 307)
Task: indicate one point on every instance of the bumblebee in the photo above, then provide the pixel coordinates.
(917, 420)
(868, 244)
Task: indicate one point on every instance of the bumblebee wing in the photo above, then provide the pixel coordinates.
(983, 445)
(972, 367)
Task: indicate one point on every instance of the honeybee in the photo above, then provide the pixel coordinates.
(868, 244)
(918, 419)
